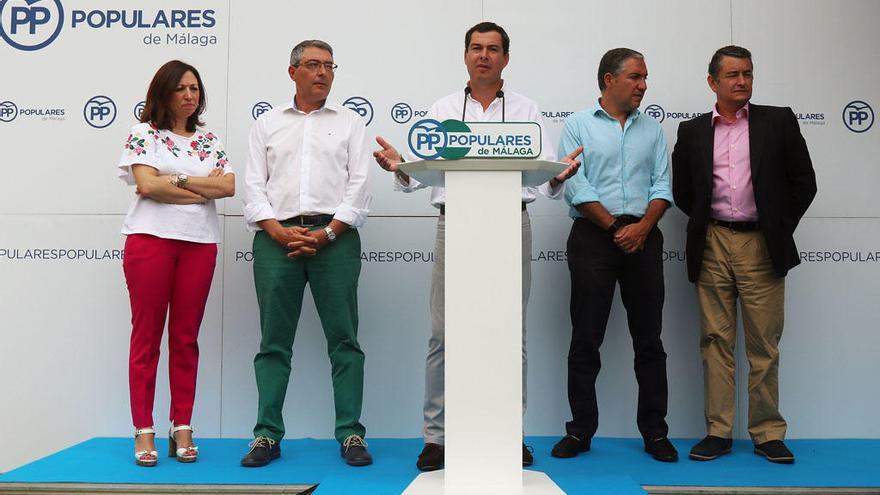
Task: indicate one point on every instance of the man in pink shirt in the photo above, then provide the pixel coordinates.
(743, 175)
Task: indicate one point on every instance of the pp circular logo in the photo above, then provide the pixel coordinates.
(858, 116)
(30, 24)
(428, 139)
(138, 110)
(401, 113)
(360, 106)
(656, 112)
(99, 112)
(8, 111)
(260, 108)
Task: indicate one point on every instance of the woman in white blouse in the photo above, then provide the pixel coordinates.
(172, 230)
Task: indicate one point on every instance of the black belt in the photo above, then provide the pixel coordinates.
(738, 226)
(309, 220)
(443, 208)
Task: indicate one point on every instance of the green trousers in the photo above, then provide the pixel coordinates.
(280, 281)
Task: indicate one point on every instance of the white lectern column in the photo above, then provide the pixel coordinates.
(483, 336)
(483, 333)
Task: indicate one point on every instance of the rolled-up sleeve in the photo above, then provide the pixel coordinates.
(256, 200)
(660, 183)
(355, 206)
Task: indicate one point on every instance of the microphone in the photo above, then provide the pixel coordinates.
(467, 91)
(500, 94)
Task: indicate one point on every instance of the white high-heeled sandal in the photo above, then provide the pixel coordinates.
(183, 454)
(145, 458)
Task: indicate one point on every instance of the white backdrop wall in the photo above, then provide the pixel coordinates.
(64, 316)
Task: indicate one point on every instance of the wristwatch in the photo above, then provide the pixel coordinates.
(614, 227)
(331, 236)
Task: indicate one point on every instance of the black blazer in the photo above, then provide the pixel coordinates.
(782, 177)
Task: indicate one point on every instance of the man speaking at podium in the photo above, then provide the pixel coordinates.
(485, 98)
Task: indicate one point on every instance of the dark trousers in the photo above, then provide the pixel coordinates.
(596, 266)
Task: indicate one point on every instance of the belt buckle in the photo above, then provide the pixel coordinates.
(303, 222)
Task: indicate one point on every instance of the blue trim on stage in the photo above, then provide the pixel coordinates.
(615, 466)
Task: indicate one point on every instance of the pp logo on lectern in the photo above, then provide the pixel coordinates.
(99, 112)
(360, 106)
(656, 112)
(260, 108)
(8, 111)
(858, 116)
(30, 24)
(428, 139)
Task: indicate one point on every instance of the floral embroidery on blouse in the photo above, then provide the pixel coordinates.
(169, 143)
(156, 133)
(135, 145)
(221, 158)
(202, 145)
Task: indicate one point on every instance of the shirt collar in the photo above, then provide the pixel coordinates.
(328, 106)
(503, 88)
(741, 113)
(597, 110)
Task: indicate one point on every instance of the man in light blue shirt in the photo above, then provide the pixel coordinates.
(617, 198)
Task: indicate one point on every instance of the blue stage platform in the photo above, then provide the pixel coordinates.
(615, 466)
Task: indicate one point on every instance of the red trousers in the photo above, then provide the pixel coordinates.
(165, 276)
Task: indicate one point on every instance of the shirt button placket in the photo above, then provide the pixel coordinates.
(306, 165)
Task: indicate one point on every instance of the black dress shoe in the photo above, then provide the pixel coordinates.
(431, 458)
(528, 458)
(775, 451)
(710, 448)
(661, 449)
(570, 446)
(354, 451)
(263, 451)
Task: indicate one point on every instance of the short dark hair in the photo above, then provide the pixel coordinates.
(157, 106)
(726, 51)
(612, 62)
(487, 27)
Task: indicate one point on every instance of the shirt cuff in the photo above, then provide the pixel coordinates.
(400, 186)
(583, 196)
(255, 212)
(354, 217)
(662, 195)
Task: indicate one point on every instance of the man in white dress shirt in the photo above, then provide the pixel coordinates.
(305, 194)
(485, 98)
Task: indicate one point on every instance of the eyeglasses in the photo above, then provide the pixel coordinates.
(312, 65)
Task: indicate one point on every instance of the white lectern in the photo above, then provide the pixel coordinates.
(483, 326)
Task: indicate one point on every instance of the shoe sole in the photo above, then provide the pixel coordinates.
(359, 463)
(272, 457)
(426, 469)
(778, 460)
(698, 457)
(568, 456)
(663, 459)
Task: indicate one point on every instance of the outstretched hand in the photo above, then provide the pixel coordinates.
(573, 165)
(388, 157)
